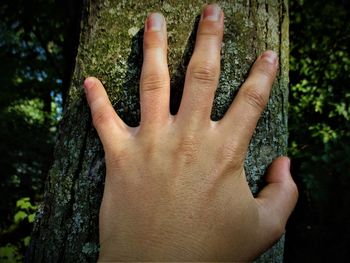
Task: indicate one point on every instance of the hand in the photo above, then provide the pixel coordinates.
(175, 186)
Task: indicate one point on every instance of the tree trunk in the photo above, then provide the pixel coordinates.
(66, 227)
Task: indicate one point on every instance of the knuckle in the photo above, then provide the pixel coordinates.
(230, 151)
(151, 149)
(152, 40)
(229, 154)
(150, 146)
(266, 69)
(255, 98)
(204, 72)
(101, 117)
(188, 148)
(153, 82)
(210, 29)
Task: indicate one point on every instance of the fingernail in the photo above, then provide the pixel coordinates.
(88, 83)
(212, 12)
(270, 56)
(155, 22)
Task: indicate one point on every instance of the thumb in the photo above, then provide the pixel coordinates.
(277, 199)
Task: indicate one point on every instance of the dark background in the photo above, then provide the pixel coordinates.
(37, 48)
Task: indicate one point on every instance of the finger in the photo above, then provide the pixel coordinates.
(204, 68)
(277, 200)
(106, 121)
(241, 118)
(154, 90)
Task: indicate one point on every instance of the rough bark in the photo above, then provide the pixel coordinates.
(66, 227)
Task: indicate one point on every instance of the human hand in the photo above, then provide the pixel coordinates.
(175, 186)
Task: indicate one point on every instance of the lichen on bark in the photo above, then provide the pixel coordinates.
(66, 228)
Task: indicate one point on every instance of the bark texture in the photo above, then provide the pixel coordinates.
(66, 227)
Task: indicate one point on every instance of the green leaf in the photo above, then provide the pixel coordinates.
(24, 204)
(19, 216)
(26, 241)
(31, 218)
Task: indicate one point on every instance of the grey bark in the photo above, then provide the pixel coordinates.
(66, 227)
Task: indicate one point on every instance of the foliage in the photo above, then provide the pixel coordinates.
(10, 254)
(319, 128)
(33, 55)
(24, 214)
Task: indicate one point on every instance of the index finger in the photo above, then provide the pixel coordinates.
(109, 125)
(242, 117)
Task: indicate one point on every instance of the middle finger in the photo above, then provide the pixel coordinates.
(203, 71)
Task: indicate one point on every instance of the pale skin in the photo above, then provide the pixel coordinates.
(175, 186)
